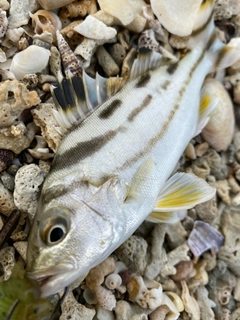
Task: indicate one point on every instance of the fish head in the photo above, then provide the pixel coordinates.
(72, 232)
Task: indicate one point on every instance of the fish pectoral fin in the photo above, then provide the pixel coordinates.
(182, 191)
(168, 217)
(207, 106)
(140, 182)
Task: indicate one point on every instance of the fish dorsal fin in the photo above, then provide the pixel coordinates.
(145, 61)
(77, 97)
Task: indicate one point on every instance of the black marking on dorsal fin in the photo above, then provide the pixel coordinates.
(77, 97)
(146, 60)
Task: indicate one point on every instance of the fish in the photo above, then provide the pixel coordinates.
(116, 167)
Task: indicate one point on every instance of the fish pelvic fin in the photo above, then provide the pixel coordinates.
(181, 192)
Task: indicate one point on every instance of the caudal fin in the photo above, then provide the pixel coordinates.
(204, 36)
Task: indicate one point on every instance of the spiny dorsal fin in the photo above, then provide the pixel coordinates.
(77, 97)
(146, 60)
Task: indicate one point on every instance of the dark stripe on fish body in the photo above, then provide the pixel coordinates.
(172, 68)
(196, 32)
(83, 150)
(153, 141)
(143, 81)
(166, 84)
(136, 111)
(109, 110)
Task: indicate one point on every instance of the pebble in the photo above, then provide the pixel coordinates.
(7, 180)
(117, 52)
(106, 62)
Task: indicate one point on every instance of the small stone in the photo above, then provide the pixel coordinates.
(6, 201)
(117, 52)
(6, 157)
(7, 180)
(207, 211)
(106, 62)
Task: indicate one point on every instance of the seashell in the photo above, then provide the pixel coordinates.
(119, 9)
(204, 237)
(3, 23)
(69, 60)
(44, 20)
(78, 9)
(92, 28)
(31, 60)
(113, 281)
(54, 4)
(220, 128)
(178, 17)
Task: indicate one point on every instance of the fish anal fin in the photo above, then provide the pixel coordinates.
(183, 191)
(207, 104)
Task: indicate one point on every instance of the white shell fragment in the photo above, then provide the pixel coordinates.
(220, 128)
(204, 237)
(94, 29)
(176, 16)
(120, 9)
(31, 60)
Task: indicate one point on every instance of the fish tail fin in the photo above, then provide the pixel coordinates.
(220, 55)
(204, 25)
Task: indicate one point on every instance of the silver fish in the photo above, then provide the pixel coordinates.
(112, 171)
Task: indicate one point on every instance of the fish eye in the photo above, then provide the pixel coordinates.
(56, 234)
(54, 229)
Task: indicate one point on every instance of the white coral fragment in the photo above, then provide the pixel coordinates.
(73, 310)
(14, 98)
(205, 303)
(92, 28)
(178, 17)
(105, 298)
(190, 304)
(27, 182)
(44, 118)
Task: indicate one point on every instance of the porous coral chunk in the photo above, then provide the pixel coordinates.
(73, 310)
(96, 275)
(27, 182)
(14, 98)
(43, 117)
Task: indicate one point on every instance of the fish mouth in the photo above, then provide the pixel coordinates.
(52, 281)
